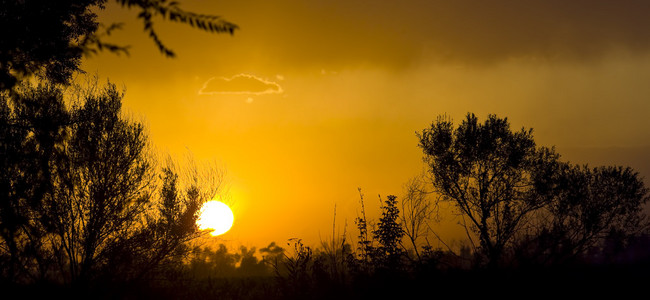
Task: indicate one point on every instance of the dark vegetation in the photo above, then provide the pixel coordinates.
(88, 210)
(49, 38)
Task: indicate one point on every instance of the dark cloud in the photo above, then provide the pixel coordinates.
(501, 29)
(244, 84)
(404, 32)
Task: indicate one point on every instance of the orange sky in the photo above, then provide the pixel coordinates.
(311, 100)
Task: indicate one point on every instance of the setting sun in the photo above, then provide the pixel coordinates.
(215, 216)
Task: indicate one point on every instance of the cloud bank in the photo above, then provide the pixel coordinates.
(401, 33)
(240, 84)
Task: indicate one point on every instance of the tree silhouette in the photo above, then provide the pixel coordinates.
(588, 207)
(104, 186)
(42, 38)
(82, 199)
(157, 244)
(48, 38)
(389, 234)
(521, 199)
(383, 249)
(32, 128)
(488, 171)
(78, 192)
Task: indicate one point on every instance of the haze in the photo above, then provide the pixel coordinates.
(311, 100)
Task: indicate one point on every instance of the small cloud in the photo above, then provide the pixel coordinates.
(242, 84)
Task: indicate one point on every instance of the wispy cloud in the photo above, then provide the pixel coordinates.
(241, 84)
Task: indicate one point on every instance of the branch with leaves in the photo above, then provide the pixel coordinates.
(171, 11)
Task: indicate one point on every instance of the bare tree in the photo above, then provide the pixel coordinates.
(417, 210)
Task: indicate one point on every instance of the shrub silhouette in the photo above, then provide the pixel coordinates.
(389, 234)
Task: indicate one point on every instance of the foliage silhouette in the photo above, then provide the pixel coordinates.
(102, 185)
(32, 130)
(521, 199)
(80, 198)
(557, 225)
(383, 251)
(389, 234)
(49, 38)
(488, 171)
(84, 204)
(160, 244)
(591, 208)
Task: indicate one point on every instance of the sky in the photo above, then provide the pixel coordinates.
(310, 101)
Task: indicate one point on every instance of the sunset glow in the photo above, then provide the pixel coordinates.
(368, 149)
(312, 100)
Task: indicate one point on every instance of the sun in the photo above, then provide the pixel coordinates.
(215, 216)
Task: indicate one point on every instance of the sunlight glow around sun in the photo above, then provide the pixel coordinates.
(215, 216)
